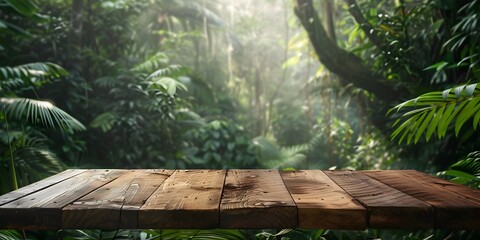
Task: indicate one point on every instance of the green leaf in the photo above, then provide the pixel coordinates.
(27, 8)
(469, 110)
(436, 111)
(469, 89)
(167, 85)
(433, 125)
(460, 174)
(42, 112)
(424, 124)
(437, 66)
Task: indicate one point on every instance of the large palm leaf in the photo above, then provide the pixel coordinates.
(39, 112)
(32, 71)
(434, 112)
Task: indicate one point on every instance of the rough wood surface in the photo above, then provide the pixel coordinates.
(114, 205)
(387, 207)
(451, 210)
(34, 187)
(322, 203)
(442, 185)
(42, 209)
(206, 199)
(187, 199)
(256, 199)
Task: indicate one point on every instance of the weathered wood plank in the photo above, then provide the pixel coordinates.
(34, 187)
(187, 199)
(452, 211)
(42, 209)
(472, 195)
(114, 205)
(387, 207)
(256, 199)
(322, 203)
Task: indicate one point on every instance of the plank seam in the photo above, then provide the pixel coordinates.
(106, 182)
(367, 209)
(159, 185)
(296, 206)
(434, 209)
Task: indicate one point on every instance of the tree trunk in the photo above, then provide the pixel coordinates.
(77, 23)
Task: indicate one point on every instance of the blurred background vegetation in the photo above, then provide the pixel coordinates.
(323, 84)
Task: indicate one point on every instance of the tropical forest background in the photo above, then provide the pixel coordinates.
(286, 84)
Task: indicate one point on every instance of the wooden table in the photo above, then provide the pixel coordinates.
(203, 199)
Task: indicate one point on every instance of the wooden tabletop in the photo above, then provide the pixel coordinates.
(206, 199)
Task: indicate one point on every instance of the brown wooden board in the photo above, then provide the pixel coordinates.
(42, 209)
(387, 207)
(472, 195)
(187, 199)
(452, 211)
(322, 203)
(114, 205)
(34, 187)
(256, 199)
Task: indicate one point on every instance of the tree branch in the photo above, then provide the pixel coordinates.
(339, 61)
(364, 24)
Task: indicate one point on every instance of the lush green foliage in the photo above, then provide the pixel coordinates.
(237, 84)
(433, 112)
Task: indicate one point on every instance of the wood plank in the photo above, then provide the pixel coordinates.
(451, 210)
(34, 187)
(42, 209)
(322, 203)
(256, 199)
(387, 207)
(472, 195)
(187, 199)
(114, 205)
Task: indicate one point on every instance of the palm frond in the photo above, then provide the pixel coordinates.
(37, 162)
(434, 112)
(198, 234)
(8, 137)
(470, 165)
(466, 171)
(40, 112)
(9, 235)
(27, 71)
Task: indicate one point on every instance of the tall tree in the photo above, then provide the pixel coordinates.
(346, 65)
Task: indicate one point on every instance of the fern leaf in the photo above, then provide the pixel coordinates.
(155, 62)
(172, 71)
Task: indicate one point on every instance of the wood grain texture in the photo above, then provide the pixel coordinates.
(472, 195)
(387, 207)
(34, 187)
(114, 205)
(187, 199)
(322, 203)
(42, 209)
(452, 211)
(256, 199)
